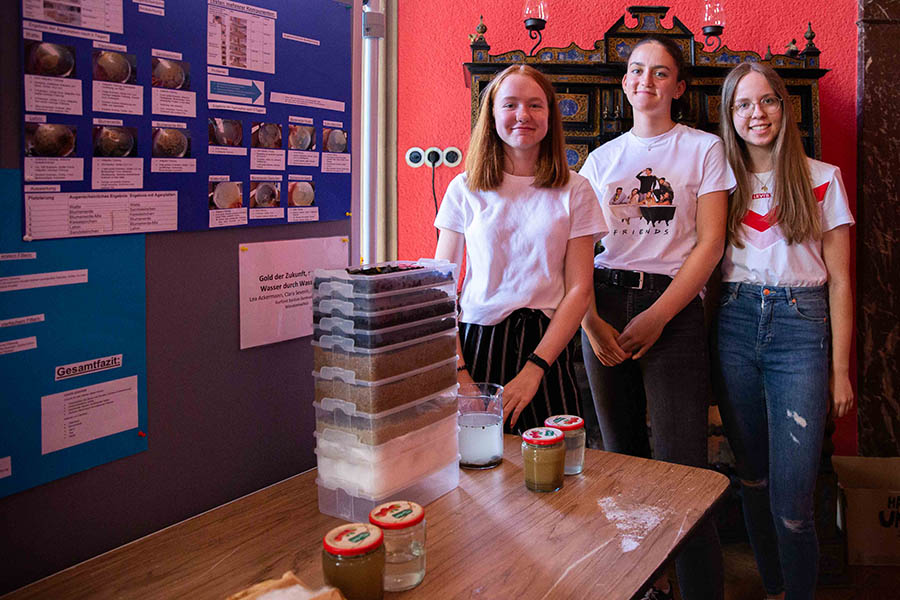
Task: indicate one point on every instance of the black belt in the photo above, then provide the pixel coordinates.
(637, 280)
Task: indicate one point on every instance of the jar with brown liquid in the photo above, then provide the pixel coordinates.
(544, 458)
(353, 561)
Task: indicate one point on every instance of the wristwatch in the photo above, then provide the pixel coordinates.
(543, 364)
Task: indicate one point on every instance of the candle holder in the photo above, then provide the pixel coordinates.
(535, 15)
(713, 23)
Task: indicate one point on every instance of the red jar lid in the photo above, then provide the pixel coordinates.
(543, 436)
(353, 539)
(564, 422)
(399, 514)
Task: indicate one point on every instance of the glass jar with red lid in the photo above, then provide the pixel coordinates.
(573, 429)
(353, 560)
(403, 524)
(544, 458)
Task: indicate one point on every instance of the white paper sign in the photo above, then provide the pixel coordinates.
(276, 286)
(10, 346)
(118, 98)
(267, 159)
(303, 158)
(51, 168)
(303, 214)
(117, 173)
(30, 281)
(84, 414)
(53, 95)
(178, 103)
(335, 163)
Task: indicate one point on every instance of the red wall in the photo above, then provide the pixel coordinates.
(433, 102)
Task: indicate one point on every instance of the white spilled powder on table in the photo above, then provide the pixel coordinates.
(633, 523)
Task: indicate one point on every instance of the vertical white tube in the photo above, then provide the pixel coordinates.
(356, 138)
(373, 32)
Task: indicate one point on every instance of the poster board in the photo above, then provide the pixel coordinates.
(72, 351)
(157, 115)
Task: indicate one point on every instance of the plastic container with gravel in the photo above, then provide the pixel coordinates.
(342, 290)
(387, 393)
(377, 428)
(387, 276)
(372, 364)
(362, 319)
(376, 338)
(344, 500)
(401, 466)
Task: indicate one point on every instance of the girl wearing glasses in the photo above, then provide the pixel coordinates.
(526, 225)
(786, 293)
(644, 343)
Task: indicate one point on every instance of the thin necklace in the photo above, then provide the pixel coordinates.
(764, 184)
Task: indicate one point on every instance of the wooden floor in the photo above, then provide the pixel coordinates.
(742, 581)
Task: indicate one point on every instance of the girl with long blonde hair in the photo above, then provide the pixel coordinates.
(786, 293)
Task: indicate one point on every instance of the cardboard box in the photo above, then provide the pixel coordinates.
(870, 508)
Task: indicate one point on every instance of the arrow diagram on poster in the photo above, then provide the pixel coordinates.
(235, 89)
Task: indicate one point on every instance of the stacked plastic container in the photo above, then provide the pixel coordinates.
(384, 342)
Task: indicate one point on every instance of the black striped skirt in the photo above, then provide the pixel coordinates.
(496, 354)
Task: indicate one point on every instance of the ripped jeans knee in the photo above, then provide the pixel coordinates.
(796, 526)
(755, 484)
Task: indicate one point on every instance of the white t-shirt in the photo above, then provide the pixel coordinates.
(653, 217)
(516, 239)
(767, 258)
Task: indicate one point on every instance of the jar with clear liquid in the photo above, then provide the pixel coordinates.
(403, 524)
(573, 428)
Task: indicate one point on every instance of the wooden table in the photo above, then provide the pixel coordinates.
(604, 535)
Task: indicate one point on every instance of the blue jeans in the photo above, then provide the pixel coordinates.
(773, 347)
(671, 383)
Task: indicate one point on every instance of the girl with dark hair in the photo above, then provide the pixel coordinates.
(786, 276)
(644, 340)
(526, 225)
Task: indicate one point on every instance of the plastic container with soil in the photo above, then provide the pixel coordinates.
(387, 276)
(377, 338)
(376, 477)
(384, 394)
(339, 290)
(342, 499)
(372, 364)
(375, 429)
(342, 309)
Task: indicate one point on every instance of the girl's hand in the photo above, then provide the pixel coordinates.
(519, 392)
(605, 344)
(841, 395)
(463, 376)
(641, 333)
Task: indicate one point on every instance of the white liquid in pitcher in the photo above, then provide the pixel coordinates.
(480, 440)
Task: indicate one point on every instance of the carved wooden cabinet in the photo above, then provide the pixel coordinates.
(589, 81)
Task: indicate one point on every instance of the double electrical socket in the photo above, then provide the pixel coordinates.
(433, 157)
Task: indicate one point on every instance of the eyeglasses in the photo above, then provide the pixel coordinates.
(768, 104)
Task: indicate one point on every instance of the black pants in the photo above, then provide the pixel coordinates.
(496, 354)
